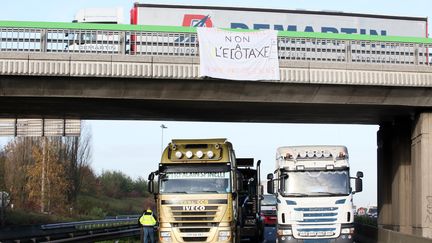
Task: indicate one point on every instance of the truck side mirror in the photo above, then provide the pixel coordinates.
(270, 188)
(358, 185)
(270, 176)
(359, 174)
(150, 186)
(151, 176)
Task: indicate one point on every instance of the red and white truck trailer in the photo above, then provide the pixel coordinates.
(278, 19)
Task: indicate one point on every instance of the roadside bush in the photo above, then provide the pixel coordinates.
(366, 220)
(97, 212)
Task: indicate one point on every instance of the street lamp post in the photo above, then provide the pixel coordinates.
(162, 130)
(43, 174)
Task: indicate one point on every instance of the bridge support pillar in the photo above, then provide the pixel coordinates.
(405, 176)
(394, 180)
(421, 156)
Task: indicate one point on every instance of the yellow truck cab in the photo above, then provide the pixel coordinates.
(196, 192)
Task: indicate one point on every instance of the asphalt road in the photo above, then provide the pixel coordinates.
(269, 234)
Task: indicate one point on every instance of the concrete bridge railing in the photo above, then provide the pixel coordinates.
(134, 40)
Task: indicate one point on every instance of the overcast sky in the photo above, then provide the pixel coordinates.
(134, 147)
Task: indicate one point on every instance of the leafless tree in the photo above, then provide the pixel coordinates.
(77, 157)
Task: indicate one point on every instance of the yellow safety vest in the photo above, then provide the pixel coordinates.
(147, 220)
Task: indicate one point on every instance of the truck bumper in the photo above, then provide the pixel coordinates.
(291, 239)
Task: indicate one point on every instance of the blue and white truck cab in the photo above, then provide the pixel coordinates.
(314, 195)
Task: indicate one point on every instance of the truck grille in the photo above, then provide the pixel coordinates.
(316, 209)
(194, 224)
(193, 213)
(317, 222)
(207, 214)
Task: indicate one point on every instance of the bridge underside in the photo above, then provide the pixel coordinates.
(116, 109)
(206, 100)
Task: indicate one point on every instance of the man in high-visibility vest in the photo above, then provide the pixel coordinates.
(148, 222)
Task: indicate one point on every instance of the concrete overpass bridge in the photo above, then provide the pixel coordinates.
(60, 70)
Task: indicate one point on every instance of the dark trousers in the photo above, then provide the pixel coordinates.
(148, 233)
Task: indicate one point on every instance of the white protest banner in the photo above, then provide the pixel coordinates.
(238, 55)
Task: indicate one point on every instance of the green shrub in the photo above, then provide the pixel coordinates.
(365, 220)
(21, 217)
(97, 212)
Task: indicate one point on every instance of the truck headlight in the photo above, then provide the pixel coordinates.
(189, 154)
(347, 230)
(210, 154)
(179, 154)
(165, 236)
(224, 235)
(284, 232)
(199, 154)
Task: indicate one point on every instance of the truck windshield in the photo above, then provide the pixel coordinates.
(195, 182)
(269, 200)
(316, 183)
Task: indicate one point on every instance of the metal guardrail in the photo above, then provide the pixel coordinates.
(182, 41)
(81, 231)
(132, 216)
(101, 236)
(93, 224)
